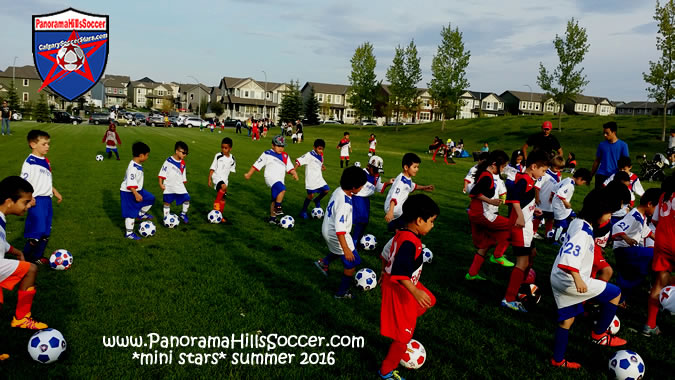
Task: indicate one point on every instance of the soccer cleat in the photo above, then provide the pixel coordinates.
(216, 206)
(393, 375)
(476, 277)
(4, 357)
(322, 267)
(41, 261)
(278, 211)
(303, 215)
(145, 217)
(564, 363)
(503, 261)
(539, 237)
(132, 236)
(184, 218)
(605, 339)
(648, 331)
(28, 323)
(272, 220)
(346, 295)
(514, 305)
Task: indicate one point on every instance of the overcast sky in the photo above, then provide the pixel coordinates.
(314, 40)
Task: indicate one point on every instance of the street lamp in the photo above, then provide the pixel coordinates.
(199, 107)
(528, 86)
(265, 97)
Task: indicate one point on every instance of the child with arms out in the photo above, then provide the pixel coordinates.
(401, 189)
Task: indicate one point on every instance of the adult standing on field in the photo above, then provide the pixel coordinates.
(543, 140)
(608, 154)
(6, 116)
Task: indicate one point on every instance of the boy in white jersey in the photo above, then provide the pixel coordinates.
(544, 197)
(276, 163)
(172, 179)
(345, 147)
(135, 200)
(223, 164)
(372, 143)
(337, 226)
(314, 182)
(562, 197)
(401, 188)
(37, 170)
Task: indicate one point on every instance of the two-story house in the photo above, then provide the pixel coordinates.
(111, 90)
(333, 104)
(245, 98)
(192, 95)
(475, 104)
(27, 82)
(590, 105)
(528, 103)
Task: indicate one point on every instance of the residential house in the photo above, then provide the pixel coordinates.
(639, 108)
(192, 95)
(333, 104)
(143, 89)
(528, 103)
(111, 90)
(475, 104)
(245, 98)
(589, 105)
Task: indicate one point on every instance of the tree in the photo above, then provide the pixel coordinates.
(218, 108)
(565, 83)
(42, 109)
(413, 75)
(448, 70)
(661, 76)
(291, 103)
(204, 107)
(148, 103)
(13, 98)
(28, 110)
(312, 108)
(396, 77)
(363, 82)
(167, 103)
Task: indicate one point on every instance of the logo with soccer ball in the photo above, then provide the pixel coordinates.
(70, 57)
(366, 279)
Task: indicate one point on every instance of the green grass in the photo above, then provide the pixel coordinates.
(217, 280)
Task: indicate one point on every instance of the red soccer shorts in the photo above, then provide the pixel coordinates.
(599, 261)
(663, 261)
(400, 310)
(485, 233)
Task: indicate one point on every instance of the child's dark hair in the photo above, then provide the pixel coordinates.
(346, 134)
(319, 143)
(35, 134)
(419, 206)
(584, 174)
(572, 156)
(409, 159)
(668, 187)
(539, 158)
(650, 196)
(496, 157)
(597, 204)
(181, 145)
(352, 178)
(226, 140)
(617, 193)
(483, 156)
(624, 162)
(140, 148)
(611, 125)
(12, 187)
(621, 176)
(514, 157)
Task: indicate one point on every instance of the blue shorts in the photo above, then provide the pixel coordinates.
(351, 264)
(633, 265)
(39, 219)
(319, 190)
(178, 198)
(131, 208)
(610, 292)
(564, 223)
(108, 150)
(277, 188)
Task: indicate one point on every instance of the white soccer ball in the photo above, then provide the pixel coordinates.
(61, 259)
(366, 279)
(287, 222)
(46, 346)
(99, 157)
(415, 355)
(70, 57)
(368, 242)
(317, 213)
(147, 229)
(357, 164)
(171, 221)
(667, 298)
(427, 256)
(627, 364)
(215, 216)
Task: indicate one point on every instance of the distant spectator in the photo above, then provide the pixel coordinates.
(436, 144)
(6, 116)
(608, 154)
(571, 163)
(543, 140)
(485, 148)
(671, 139)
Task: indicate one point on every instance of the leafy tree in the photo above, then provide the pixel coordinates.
(312, 108)
(565, 83)
(69, 109)
(396, 77)
(204, 107)
(413, 75)
(661, 76)
(167, 104)
(218, 108)
(28, 110)
(362, 80)
(448, 70)
(42, 109)
(291, 103)
(148, 103)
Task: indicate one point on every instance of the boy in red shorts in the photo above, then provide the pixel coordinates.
(404, 298)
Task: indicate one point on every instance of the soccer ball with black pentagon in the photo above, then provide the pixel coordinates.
(171, 221)
(368, 242)
(46, 346)
(366, 279)
(287, 222)
(626, 364)
(215, 216)
(99, 157)
(317, 213)
(427, 256)
(61, 259)
(147, 229)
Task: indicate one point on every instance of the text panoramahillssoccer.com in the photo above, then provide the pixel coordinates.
(234, 349)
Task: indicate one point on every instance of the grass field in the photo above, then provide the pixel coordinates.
(249, 277)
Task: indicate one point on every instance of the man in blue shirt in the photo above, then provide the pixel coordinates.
(608, 154)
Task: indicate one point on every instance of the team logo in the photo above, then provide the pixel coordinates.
(70, 50)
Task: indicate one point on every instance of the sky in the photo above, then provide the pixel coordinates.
(314, 40)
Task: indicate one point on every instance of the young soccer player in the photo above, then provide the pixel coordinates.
(514, 167)
(314, 182)
(361, 200)
(135, 200)
(561, 198)
(470, 176)
(345, 147)
(404, 298)
(372, 143)
(172, 179)
(276, 163)
(337, 226)
(624, 179)
(223, 164)
(522, 207)
(572, 283)
(488, 228)
(625, 165)
(37, 170)
(111, 140)
(544, 196)
(401, 188)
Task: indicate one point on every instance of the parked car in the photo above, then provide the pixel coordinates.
(230, 122)
(98, 118)
(368, 122)
(155, 120)
(330, 122)
(138, 118)
(194, 122)
(180, 121)
(392, 123)
(65, 117)
(17, 116)
(173, 120)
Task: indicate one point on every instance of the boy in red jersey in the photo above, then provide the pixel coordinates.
(404, 298)
(345, 147)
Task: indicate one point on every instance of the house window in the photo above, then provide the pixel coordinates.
(125, 91)
(549, 107)
(495, 106)
(192, 96)
(329, 98)
(25, 82)
(536, 106)
(114, 91)
(108, 90)
(585, 107)
(237, 92)
(425, 116)
(267, 95)
(246, 94)
(523, 105)
(25, 97)
(138, 91)
(320, 97)
(338, 99)
(350, 113)
(160, 92)
(426, 103)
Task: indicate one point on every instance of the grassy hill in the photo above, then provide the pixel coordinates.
(252, 278)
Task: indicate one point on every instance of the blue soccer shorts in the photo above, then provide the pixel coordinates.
(351, 264)
(178, 198)
(131, 208)
(318, 190)
(39, 219)
(277, 188)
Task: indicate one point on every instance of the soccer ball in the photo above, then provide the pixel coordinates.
(46, 346)
(357, 164)
(531, 277)
(667, 298)
(99, 157)
(627, 364)
(215, 216)
(317, 213)
(171, 221)
(415, 355)
(529, 294)
(147, 229)
(70, 57)
(427, 256)
(366, 279)
(61, 260)
(368, 242)
(550, 235)
(287, 222)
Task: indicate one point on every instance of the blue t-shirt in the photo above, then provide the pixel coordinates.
(609, 155)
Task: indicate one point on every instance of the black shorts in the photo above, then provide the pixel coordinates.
(523, 251)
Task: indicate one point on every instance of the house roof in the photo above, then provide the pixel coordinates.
(186, 87)
(525, 95)
(640, 104)
(232, 82)
(119, 81)
(146, 80)
(22, 72)
(482, 95)
(328, 88)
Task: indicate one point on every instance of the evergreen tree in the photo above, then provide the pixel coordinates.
(291, 103)
(396, 77)
(42, 113)
(362, 81)
(13, 98)
(312, 108)
(28, 110)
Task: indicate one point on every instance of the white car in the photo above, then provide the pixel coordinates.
(330, 122)
(194, 122)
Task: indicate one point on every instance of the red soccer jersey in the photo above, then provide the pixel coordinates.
(664, 218)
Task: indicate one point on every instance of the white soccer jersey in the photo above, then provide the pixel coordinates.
(7, 267)
(373, 143)
(649, 242)
(344, 150)
(562, 190)
(222, 166)
(511, 171)
(370, 188)
(399, 192)
(499, 185)
(634, 225)
(175, 176)
(133, 178)
(313, 175)
(276, 166)
(576, 255)
(635, 188)
(546, 184)
(38, 172)
(469, 178)
(338, 221)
